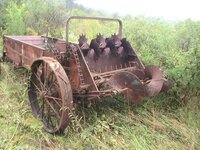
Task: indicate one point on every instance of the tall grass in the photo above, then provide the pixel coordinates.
(109, 124)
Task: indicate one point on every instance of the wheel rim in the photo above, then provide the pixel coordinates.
(50, 94)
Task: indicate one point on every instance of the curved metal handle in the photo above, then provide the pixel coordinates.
(93, 18)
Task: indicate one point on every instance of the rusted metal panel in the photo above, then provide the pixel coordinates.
(21, 52)
(86, 72)
(61, 45)
(156, 80)
(30, 54)
(13, 50)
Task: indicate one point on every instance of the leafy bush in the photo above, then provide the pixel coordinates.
(15, 19)
(175, 47)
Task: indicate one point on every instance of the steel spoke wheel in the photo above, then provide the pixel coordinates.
(50, 94)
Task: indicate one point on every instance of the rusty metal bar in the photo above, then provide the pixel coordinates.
(93, 18)
(106, 74)
(18, 40)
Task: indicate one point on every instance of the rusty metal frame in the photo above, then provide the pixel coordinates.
(92, 18)
(79, 78)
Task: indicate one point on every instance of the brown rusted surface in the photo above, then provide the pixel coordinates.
(139, 73)
(21, 51)
(85, 72)
(130, 85)
(50, 94)
(106, 59)
(166, 85)
(156, 80)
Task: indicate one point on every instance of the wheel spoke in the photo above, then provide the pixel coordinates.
(46, 97)
(52, 107)
(42, 109)
(48, 115)
(38, 79)
(55, 99)
(52, 80)
(52, 115)
(44, 73)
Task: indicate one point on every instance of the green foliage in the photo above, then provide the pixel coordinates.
(187, 36)
(91, 28)
(108, 124)
(34, 17)
(151, 38)
(188, 41)
(3, 5)
(47, 17)
(15, 19)
(174, 47)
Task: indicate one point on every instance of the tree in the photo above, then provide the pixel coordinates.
(15, 18)
(3, 5)
(47, 16)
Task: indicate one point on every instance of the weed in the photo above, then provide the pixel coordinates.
(159, 123)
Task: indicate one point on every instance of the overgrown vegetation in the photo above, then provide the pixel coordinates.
(169, 121)
(109, 124)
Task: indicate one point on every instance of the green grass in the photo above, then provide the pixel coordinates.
(159, 123)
